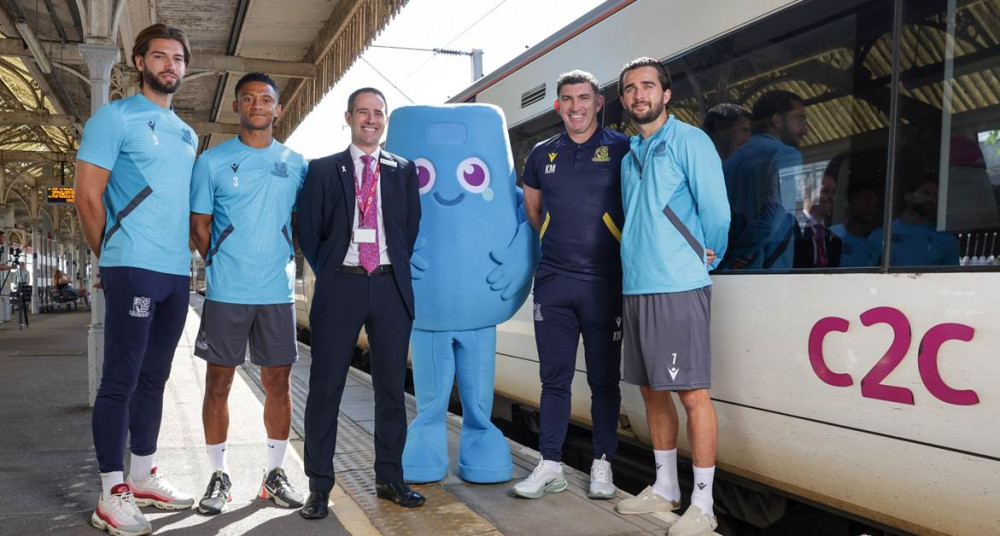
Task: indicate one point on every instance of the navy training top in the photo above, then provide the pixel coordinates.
(582, 214)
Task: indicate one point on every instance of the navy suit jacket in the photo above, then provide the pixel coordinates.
(326, 208)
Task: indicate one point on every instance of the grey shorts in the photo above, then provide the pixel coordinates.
(226, 327)
(667, 340)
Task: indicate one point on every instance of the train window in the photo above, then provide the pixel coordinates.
(946, 190)
(800, 107)
(524, 137)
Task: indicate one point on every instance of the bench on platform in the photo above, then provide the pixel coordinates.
(57, 298)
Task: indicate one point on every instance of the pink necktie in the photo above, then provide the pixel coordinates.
(819, 241)
(368, 251)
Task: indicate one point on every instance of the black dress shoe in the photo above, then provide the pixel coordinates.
(316, 506)
(400, 494)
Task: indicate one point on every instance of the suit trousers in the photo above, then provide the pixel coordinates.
(343, 303)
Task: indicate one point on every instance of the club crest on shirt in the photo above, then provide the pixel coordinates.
(552, 157)
(660, 149)
(601, 154)
(280, 169)
(186, 137)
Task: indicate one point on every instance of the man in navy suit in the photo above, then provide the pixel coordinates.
(358, 215)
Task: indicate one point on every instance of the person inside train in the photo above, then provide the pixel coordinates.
(728, 125)
(761, 182)
(667, 289)
(572, 195)
(243, 194)
(916, 241)
(863, 216)
(815, 245)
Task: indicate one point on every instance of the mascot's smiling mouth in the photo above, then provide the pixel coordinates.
(447, 202)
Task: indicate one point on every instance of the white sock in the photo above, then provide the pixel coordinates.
(666, 484)
(552, 466)
(141, 467)
(110, 480)
(275, 453)
(701, 496)
(217, 457)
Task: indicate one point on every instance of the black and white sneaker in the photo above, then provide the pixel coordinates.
(277, 488)
(217, 495)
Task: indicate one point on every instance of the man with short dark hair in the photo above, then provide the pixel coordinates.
(761, 181)
(728, 125)
(572, 196)
(133, 177)
(863, 214)
(359, 214)
(676, 214)
(243, 195)
(916, 240)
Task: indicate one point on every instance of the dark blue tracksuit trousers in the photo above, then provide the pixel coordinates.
(565, 308)
(144, 319)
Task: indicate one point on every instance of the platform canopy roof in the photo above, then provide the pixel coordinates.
(306, 45)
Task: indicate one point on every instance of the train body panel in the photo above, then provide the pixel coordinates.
(919, 467)
(606, 47)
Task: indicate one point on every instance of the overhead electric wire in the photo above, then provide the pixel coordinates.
(384, 77)
(463, 32)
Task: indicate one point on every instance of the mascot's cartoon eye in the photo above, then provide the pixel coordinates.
(473, 175)
(425, 175)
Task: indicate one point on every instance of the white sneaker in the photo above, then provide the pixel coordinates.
(694, 522)
(544, 479)
(119, 515)
(154, 490)
(647, 502)
(601, 486)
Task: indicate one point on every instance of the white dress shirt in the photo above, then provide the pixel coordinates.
(352, 258)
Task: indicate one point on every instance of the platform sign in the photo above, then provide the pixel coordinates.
(61, 194)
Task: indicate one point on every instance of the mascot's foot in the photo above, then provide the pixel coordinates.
(484, 456)
(423, 475)
(425, 456)
(480, 474)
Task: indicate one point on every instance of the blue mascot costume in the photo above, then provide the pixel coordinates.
(472, 268)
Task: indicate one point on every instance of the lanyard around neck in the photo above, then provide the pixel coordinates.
(366, 201)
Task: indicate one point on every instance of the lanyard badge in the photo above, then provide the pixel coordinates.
(366, 200)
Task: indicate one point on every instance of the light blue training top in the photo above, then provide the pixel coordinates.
(918, 244)
(761, 181)
(250, 194)
(150, 153)
(856, 251)
(674, 195)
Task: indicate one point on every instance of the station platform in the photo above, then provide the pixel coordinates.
(50, 483)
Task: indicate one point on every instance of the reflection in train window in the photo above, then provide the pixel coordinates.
(947, 181)
(807, 187)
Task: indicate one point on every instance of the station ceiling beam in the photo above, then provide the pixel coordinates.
(37, 156)
(14, 118)
(69, 54)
